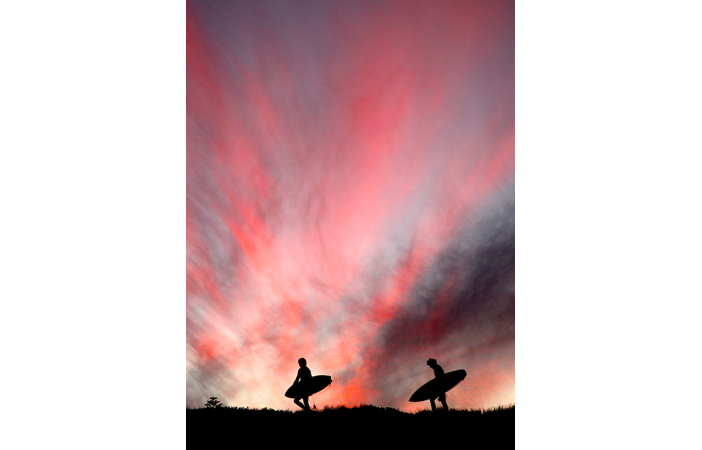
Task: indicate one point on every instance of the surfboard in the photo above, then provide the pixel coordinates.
(309, 387)
(437, 386)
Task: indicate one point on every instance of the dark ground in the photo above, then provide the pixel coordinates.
(364, 425)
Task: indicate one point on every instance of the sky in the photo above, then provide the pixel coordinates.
(350, 199)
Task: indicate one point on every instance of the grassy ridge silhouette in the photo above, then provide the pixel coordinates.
(362, 425)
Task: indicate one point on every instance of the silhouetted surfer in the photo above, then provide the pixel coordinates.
(438, 373)
(303, 374)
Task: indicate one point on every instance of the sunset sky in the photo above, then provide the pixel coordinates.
(350, 199)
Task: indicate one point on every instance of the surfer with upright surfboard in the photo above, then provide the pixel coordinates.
(303, 374)
(438, 374)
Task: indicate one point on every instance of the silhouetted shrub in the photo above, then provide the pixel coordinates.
(213, 403)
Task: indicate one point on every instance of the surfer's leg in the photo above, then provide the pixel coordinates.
(307, 403)
(442, 399)
(297, 402)
(433, 405)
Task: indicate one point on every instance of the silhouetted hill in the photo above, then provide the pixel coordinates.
(366, 425)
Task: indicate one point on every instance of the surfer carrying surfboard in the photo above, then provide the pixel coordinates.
(303, 374)
(306, 385)
(438, 373)
(437, 388)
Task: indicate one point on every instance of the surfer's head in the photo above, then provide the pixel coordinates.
(302, 362)
(431, 362)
